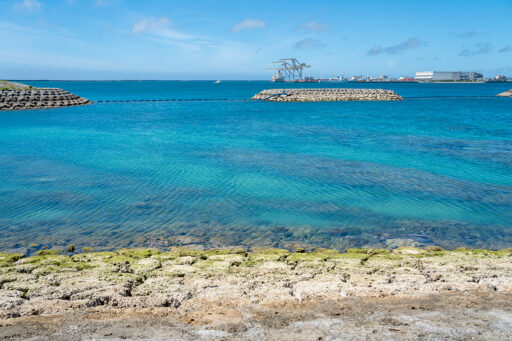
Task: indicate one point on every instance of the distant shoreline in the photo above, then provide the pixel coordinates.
(237, 80)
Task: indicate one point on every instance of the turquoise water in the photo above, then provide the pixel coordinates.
(224, 173)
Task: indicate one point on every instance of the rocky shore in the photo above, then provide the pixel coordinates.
(406, 293)
(506, 93)
(16, 96)
(314, 95)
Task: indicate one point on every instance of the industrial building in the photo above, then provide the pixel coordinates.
(448, 76)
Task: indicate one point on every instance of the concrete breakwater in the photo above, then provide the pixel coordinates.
(313, 95)
(506, 93)
(15, 99)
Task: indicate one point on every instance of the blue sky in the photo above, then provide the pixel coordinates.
(214, 39)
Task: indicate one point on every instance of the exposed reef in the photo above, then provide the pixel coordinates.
(252, 295)
(317, 95)
(17, 96)
(506, 93)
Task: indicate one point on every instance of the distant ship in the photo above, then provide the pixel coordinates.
(278, 77)
(216, 82)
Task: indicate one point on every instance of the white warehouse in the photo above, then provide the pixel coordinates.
(447, 76)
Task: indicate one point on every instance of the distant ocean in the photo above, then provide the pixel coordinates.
(434, 169)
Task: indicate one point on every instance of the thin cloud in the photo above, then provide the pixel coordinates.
(159, 27)
(248, 24)
(313, 26)
(409, 44)
(468, 34)
(28, 5)
(307, 43)
(507, 48)
(482, 48)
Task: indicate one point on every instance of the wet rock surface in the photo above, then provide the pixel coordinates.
(314, 95)
(38, 99)
(407, 293)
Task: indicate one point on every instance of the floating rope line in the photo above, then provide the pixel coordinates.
(448, 97)
(173, 100)
(246, 100)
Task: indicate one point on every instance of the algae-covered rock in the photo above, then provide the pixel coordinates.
(47, 252)
(409, 250)
(180, 278)
(9, 258)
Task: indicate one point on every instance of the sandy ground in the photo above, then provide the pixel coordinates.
(435, 317)
(406, 294)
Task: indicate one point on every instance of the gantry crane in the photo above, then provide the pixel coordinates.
(290, 70)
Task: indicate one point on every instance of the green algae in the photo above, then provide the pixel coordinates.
(49, 263)
(269, 251)
(47, 252)
(184, 252)
(317, 255)
(227, 260)
(93, 256)
(368, 251)
(138, 253)
(6, 259)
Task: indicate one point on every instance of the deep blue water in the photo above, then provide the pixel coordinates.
(223, 173)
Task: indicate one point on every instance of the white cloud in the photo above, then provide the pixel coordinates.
(507, 48)
(248, 24)
(159, 27)
(313, 26)
(307, 43)
(29, 5)
(409, 44)
(481, 48)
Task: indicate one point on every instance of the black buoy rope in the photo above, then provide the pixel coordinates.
(173, 100)
(446, 97)
(245, 100)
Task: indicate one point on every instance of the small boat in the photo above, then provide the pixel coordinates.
(216, 82)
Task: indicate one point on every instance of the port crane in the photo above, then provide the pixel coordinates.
(291, 70)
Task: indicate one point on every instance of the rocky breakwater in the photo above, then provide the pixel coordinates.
(506, 93)
(16, 99)
(314, 95)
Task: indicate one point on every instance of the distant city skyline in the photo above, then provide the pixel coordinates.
(210, 39)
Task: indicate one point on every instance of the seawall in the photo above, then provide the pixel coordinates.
(38, 99)
(314, 95)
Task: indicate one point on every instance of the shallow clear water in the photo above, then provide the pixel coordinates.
(224, 173)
